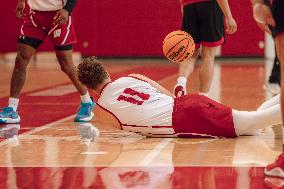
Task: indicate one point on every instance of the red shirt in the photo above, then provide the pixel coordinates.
(187, 2)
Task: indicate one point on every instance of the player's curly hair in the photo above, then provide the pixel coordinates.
(91, 72)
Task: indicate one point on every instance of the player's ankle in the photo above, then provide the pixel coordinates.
(86, 98)
(13, 103)
(182, 80)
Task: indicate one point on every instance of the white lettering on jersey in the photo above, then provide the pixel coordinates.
(139, 106)
(57, 33)
(46, 5)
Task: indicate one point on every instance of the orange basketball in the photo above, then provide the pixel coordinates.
(178, 46)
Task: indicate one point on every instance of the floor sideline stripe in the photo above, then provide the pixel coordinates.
(155, 152)
(38, 129)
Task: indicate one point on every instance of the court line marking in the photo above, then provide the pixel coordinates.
(94, 153)
(155, 152)
(40, 128)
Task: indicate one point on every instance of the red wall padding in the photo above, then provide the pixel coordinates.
(246, 41)
(133, 28)
(127, 27)
(9, 26)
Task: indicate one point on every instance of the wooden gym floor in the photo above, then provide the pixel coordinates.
(48, 150)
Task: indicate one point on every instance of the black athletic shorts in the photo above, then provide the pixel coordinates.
(204, 21)
(277, 8)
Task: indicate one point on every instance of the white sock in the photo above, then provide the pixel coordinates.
(86, 98)
(14, 102)
(182, 80)
(204, 94)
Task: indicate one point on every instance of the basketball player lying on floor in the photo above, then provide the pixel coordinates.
(143, 106)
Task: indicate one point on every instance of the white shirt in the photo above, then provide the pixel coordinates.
(139, 107)
(46, 5)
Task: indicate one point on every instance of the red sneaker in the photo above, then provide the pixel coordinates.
(179, 90)
(276, 169)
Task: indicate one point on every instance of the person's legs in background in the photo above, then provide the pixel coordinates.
(277, 167)
(189, 25)
(273, 85)
(24, 55)
(206, 69)
(185, 69)
(64, 57)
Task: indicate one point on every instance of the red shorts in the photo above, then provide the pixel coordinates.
(199, 116)
(39, 25)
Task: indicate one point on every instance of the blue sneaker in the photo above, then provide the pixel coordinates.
(85, 112)
(8, 115)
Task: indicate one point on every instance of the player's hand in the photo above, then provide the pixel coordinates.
(20, 8)
(61, 17)
(263, 17)
(231, 25)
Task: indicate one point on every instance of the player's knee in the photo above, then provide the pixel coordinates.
(22, 60)
(24, 53)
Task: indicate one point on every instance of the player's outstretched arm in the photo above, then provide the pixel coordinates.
(153, 83)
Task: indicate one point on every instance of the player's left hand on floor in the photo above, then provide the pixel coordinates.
(61, 17)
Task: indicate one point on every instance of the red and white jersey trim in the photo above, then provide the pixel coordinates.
(46, 5)
(68, 30)
(138, 106)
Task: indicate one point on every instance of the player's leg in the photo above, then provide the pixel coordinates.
(247, 122)
(63, 38)
(273, 84)
(185, 69)
(269, 103)
(211, 36)
(24, 54)
(277, 168)
(190, 25)
(279, 40)
(64, 56)
(30, 38)
(206, 69)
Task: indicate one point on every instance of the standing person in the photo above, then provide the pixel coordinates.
(204, 21)
(52, 19)
(271, 19)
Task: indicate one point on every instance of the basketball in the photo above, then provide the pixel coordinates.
(178, 46)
